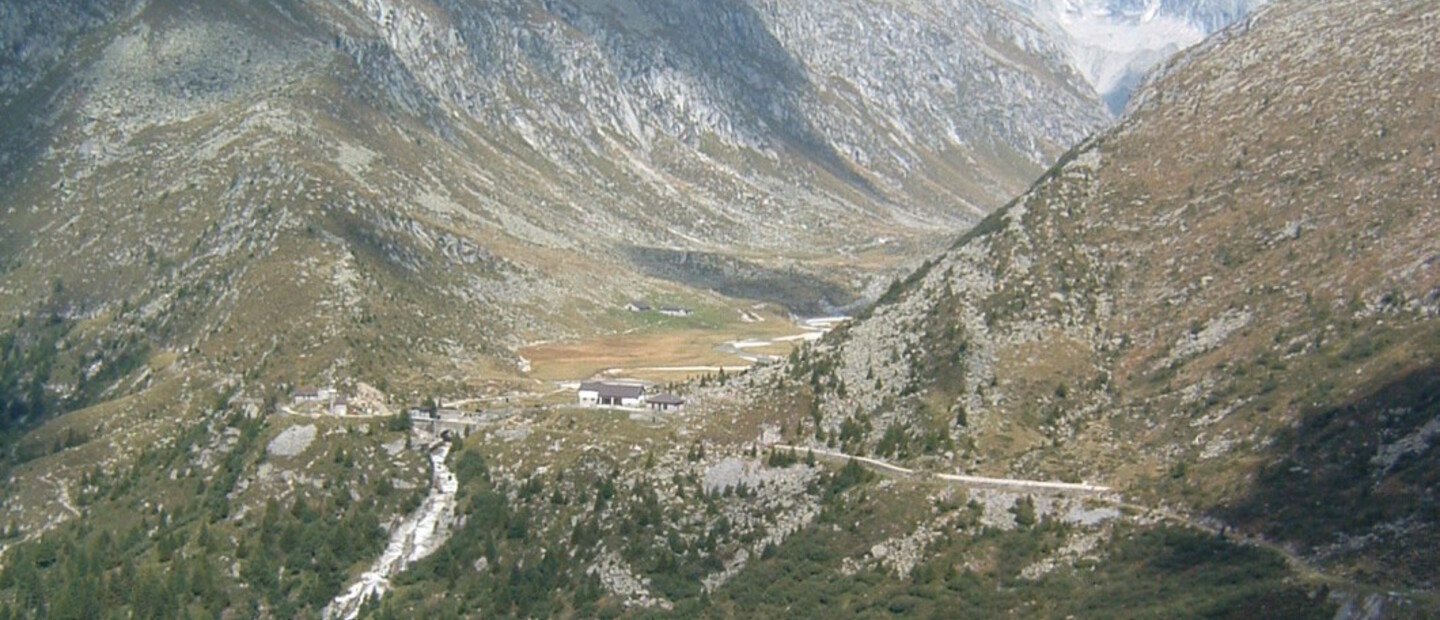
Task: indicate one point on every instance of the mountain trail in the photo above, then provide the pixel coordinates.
(1017, 484)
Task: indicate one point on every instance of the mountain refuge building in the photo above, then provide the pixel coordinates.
(599, 394)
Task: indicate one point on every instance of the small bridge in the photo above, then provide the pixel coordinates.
(454, 420)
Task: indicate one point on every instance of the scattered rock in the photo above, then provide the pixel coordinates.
(620, 581)
(292, 441)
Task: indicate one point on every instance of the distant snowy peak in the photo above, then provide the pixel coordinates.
(1113, 43)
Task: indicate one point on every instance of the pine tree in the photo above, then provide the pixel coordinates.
(1024, 511)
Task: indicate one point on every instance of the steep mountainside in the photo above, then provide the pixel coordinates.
(1230, 304)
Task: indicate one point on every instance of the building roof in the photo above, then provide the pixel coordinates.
(622, 391)
(611, 390)
(307, 392)
(639, 305)
(665, 398)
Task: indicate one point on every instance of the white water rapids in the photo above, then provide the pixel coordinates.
(418, 536)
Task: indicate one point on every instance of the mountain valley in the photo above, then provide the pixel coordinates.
(944, 310)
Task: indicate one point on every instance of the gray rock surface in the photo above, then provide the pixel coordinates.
(292, 441)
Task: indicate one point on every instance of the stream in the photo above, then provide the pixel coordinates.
(418, 536)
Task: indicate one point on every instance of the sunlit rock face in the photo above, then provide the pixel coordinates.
(1113, 43)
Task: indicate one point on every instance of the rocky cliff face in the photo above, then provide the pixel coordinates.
(662, 86)
(1231, 301)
